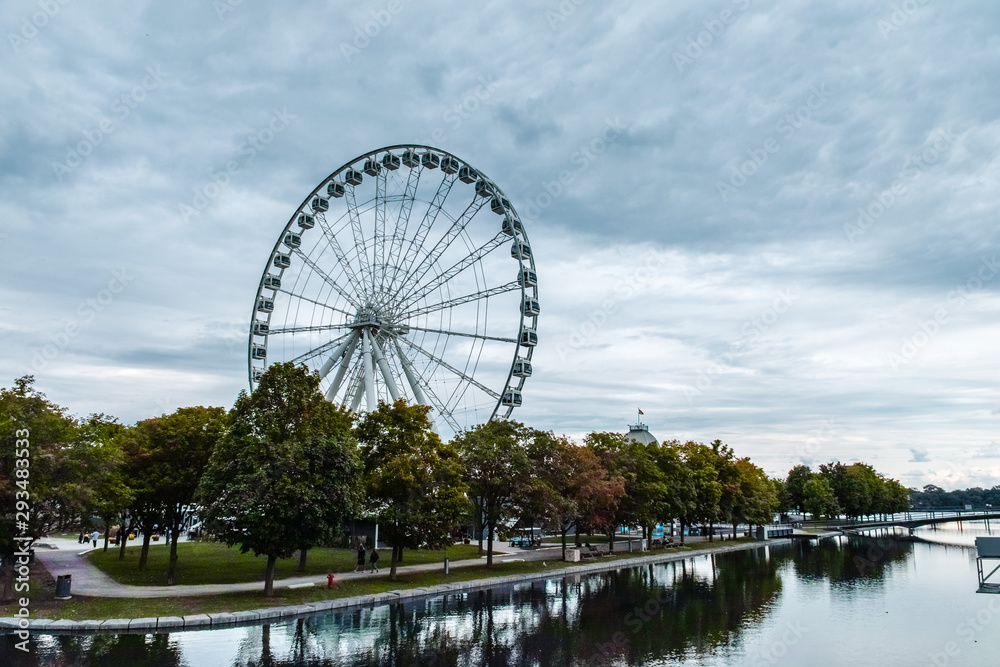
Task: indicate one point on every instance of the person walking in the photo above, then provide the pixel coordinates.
(373, 559)
(361, 559)
(93, 537)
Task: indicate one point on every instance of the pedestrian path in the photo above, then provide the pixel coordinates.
(66, 557)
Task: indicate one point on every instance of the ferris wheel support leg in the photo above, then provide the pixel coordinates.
(372, 401)
(357, 397)
(339, 377)
(411, 378)
(337, 353)
(390, 383)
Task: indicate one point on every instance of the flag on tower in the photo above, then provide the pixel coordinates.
(641, 412)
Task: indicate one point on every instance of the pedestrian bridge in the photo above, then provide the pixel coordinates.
(915, 519)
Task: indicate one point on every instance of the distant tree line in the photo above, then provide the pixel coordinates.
(282, 470)
(934, 496)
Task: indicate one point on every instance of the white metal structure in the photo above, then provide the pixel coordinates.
(386, 280)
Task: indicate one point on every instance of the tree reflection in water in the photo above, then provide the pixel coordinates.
(677, 610)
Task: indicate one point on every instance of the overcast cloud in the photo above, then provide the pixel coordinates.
(785, 239)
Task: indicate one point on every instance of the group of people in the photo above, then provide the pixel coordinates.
(372, 559)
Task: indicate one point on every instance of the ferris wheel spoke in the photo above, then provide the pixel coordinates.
(318, 303)
(430, 215)
(318, 327)
(378, 252)
(338, 252)
(403, 220)
(444, 364)
(316, 351)
(451, 303)
(430, 396)
(457, 268)
(326, 278)
(457, 227)
(359, 242)
(460, 333)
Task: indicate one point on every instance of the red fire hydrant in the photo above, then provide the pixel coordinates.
(330, 580)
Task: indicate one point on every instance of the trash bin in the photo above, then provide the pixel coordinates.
(63, 583)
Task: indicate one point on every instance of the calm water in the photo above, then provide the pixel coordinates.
(842, 602)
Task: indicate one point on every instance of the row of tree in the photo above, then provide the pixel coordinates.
(933, 497)
(854, 490)
(282, 470)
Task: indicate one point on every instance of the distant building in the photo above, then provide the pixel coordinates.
(640, 433)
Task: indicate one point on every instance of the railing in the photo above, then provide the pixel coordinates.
(919, 515)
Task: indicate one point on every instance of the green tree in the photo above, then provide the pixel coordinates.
(729, 477)
(38, 432)
(179, 447)
(680, 496)
(795, 486)
(819, 499)
(286, 473)
(700, 461)
(497, 467)
(588, 495)
(413, 481)
(645, 489)
(111, 493)
(757, 500)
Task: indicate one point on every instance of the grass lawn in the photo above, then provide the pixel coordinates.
(215, 563)
(43, 604)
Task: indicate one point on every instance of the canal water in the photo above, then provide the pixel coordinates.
(844, 601)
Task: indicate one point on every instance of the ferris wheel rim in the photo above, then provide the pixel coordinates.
(520, 352)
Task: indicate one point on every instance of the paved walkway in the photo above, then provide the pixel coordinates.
(88, 580)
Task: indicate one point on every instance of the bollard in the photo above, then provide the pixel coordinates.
(446, 564)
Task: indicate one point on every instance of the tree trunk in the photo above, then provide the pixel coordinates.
(302, 559)
(564, 531)
(128, 531)
(269, 575)
(734, 530)
(682, 528)
(392, 565)
(711, 531)
(611, 540)
(489, 545)
(146, 536)
(172, 567)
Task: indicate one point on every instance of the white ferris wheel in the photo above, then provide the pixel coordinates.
(406, 274)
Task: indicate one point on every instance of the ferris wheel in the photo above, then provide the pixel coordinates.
(406, 273)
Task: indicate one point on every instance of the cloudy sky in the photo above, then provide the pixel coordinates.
(776, 226)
